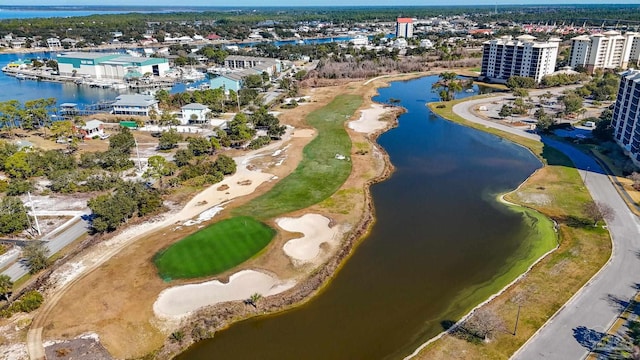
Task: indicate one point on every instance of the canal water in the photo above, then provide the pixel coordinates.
(440, 236)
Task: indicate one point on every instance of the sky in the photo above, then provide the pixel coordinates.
(256, 3)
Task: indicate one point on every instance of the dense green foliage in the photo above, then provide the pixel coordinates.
(216, 248)
(6, 285)
(27, 303)
(36, 256)
(129, 199)
(13, 215)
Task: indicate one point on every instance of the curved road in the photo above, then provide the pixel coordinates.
(576, 327)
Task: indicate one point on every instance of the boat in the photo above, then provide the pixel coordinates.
(119, 86)
(192, 75)
(469, 90)
(21, 76)
(192, 88)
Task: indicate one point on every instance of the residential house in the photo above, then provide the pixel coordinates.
(54, 42)
(135, 104)
(230, 81)
(91, 129)
(194, 113)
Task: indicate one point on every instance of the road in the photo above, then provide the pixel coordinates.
(577, 326)
(73, 230)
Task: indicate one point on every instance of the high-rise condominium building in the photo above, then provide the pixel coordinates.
(626, 115)
(609, 50)
(506, 57)
(404, 28)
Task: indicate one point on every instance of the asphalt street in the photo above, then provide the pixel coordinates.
(55, 243)
(576, 327)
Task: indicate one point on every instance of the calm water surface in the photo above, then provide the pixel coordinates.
(439, 232)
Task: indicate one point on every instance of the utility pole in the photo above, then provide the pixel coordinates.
(586, 172)
(517, 318)
(138, 154)
(33, 210)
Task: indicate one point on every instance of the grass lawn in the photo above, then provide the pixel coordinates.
(557, 192)
(319, 174)
(226, 244)
(214, 249)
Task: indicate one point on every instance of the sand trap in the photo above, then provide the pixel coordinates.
(369, 120)
(303, 133)
(180, 300)
(243, 175)
(316, 231)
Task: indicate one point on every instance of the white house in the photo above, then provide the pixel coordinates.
(53, 42)
(194, 113)
(92, 128)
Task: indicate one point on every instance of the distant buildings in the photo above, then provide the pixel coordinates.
(260, 64)
(506, 57)
(404, 28)
(609, 50)
(626, 115)
(108, 66)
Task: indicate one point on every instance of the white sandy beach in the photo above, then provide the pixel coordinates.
(369, 121)
(180, 300)
(315, 229)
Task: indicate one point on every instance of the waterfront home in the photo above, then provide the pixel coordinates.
(53, 42)
(194, 113)
(108, 66)
(135, 104)
(230, 81)
(91, 129)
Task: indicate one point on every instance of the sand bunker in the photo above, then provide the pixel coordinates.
(369, 121)
(180, 300)
(303, 133)
(316, 231)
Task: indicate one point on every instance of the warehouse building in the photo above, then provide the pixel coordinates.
(108, 66)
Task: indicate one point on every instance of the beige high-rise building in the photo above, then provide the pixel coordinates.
(506, 57)
(609, 50)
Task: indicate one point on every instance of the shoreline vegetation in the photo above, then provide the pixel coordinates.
(555, 277)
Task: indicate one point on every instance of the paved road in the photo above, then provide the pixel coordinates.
(575, 328)
(55, 243)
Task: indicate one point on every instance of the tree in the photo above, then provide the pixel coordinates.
(169, 139)
(449, 85)
(483, 323)
(505, 111)
(6, 285)
(516, 82)
(597, 211)
(572, 103)
(36, 256)
(545, 124)
(520, 92)
(199, 145)
(182, 157)
(158, 168)
(122, 142)
(13, 215)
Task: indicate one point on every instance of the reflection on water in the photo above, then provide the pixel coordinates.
(436, 236)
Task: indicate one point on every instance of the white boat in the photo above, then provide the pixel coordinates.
(470, 90)
(118, 86)
(192, 75)
(21, 76)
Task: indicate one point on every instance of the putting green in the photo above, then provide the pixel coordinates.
(214, 249)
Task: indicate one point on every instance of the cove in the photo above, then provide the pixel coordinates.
(440, 244)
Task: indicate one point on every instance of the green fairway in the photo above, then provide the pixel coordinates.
(228, 243)
(319, 174)
(214, 249)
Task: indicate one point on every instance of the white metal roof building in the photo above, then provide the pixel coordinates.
(134, 105)
(108, 66)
